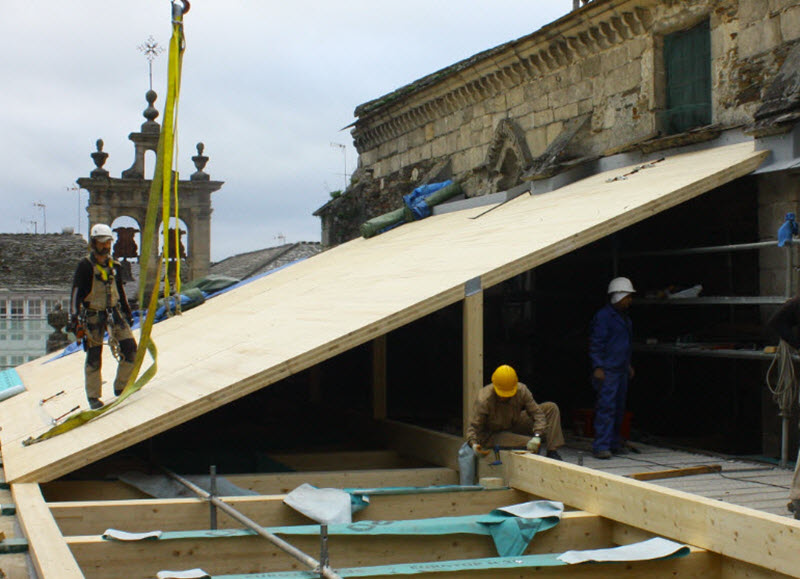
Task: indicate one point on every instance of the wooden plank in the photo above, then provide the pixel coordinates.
(305, 314)
(265, 484)
(252, 554)
(675, 472)
(761, 539)
(423, 443)
(472, 355)
(355, 460)
(93, 517)
(699, 563)
(48, 549)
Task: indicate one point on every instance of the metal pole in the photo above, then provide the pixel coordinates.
(784, 441)
(213, 488)
(252, 525)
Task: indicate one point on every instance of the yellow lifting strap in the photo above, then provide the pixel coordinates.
(164, 180)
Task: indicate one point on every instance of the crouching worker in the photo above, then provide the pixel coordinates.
(98, 303)
(506, 415)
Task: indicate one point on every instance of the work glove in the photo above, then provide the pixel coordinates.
(479, 451)
(534, 444)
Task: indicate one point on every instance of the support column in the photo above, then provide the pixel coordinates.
(472, 349)
(379, 377)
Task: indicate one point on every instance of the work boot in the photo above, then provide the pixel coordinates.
(554, 455)
(602, 454)
(95, 403)
(620, 450)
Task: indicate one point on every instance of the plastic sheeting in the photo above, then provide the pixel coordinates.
(326, 506)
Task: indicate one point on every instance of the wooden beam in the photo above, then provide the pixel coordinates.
(252, 554)
(675, 472)
(472, 355)
(761, 539)
(423, 443)
(356, 460)
(379, 377)
(265, 484)
(49, 551)
(93, 517)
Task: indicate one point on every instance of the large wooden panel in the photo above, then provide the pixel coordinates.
(295, 318)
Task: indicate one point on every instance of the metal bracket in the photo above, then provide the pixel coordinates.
(472, 286)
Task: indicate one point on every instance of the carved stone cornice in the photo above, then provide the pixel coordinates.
(593, 29)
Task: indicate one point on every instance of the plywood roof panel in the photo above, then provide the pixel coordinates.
(253, 336)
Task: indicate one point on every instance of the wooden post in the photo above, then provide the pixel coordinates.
(472, 353)
(379, 377)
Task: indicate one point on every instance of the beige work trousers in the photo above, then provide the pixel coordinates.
(93, 374)
(553, 436)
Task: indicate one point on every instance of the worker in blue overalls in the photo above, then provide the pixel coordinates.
(610, 352)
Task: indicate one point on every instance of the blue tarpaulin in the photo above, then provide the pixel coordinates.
(416, 200)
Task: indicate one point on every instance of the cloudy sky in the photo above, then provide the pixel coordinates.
(267, 86)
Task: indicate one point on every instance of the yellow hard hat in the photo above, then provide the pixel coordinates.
(505, 381)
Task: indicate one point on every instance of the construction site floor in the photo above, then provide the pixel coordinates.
(748, 483)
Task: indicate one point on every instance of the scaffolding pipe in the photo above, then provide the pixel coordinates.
(307, 560)
(706, 249)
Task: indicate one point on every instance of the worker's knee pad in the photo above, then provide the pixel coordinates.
(94, 357)
(127, 348)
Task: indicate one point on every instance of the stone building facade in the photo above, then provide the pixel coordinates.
(614, 81)
(35, 280)
(592, 83)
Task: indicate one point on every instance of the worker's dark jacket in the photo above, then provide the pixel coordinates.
(493, 414)
(611, 339)
(98, 287)
(786, 321)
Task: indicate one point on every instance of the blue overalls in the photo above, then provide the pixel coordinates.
(610, 349)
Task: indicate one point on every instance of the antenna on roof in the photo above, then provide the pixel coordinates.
(282, 238)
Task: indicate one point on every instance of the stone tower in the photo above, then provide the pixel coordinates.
(111, 198)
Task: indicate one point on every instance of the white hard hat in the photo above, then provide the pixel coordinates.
(621, 284)
(101, 230)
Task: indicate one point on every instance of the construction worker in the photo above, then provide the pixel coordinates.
(506, 414)
(610, 352)
(98, 303)
(785, 323)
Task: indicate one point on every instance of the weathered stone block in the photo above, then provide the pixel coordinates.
(567, 112)
(790, 24)
(544, 117)
(591, 66)
(760, 37)
(515, 97)
(537, 140)
(553, 130)
(751, 11)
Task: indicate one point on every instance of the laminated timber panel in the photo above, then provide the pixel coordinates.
(761, 539)
(249, 338)
(93, 517)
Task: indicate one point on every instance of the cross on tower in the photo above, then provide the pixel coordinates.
(151, 49)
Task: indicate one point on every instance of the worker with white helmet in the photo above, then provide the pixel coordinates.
(98, 303)
(610, 346)
(505, 414)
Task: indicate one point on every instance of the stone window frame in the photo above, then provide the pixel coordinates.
(660, 31)
(16, 309)
(35, 308)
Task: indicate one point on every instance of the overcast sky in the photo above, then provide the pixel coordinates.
(267, 86)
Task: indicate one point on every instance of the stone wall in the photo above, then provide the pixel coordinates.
(603, 61)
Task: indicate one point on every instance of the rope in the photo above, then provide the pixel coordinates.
(162, 180)
(784, 390)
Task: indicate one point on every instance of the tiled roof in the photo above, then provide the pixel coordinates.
(249, 264)
(42, 261)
